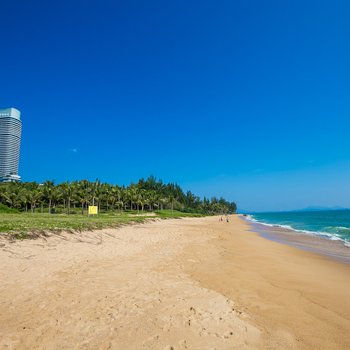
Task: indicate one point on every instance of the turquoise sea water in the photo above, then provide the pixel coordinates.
(334, 224)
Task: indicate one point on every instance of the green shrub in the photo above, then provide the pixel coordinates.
(5, 209)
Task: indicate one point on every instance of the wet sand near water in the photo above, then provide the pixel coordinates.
(334, 249)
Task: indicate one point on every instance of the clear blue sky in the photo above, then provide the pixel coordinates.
(245, 99)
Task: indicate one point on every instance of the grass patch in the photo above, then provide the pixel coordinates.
(176, 214)
(28, 225)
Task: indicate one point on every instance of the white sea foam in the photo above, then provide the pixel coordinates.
(250, 218)
(342, 228)
(328, 235)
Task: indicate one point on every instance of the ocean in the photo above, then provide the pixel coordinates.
(334, 224)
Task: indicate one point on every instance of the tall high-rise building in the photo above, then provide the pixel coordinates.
(10, 140)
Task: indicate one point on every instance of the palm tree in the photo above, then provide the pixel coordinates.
(95, 187)
(68, 191)
(112, 196)
(140, 198)
(83, 194)
(132, 194)
(154, 199)
(171, 200)
(48, 187)
(119, 195)
(106, 194)
(14, 195)
(34, 197)
(56, 196)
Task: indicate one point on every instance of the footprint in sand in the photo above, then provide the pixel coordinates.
(183, 344)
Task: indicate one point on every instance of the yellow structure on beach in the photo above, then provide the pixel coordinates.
(93, 210)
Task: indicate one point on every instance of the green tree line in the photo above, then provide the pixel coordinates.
(146, 195)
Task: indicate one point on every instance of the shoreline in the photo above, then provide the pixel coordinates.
(334, 249)
(297, 299)
(194, 283)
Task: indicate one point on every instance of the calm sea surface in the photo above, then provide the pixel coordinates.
(334, 225)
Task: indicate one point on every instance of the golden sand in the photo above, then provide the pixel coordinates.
(193, 283)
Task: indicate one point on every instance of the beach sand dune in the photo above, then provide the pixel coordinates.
(193, 283)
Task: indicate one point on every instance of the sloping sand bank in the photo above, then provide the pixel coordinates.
(173, 284)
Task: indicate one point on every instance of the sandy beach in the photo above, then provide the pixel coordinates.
(193, 283)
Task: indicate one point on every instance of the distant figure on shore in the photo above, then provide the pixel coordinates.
(221, 219)
(227, 218)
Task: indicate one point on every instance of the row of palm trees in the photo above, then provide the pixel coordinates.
(149, 194)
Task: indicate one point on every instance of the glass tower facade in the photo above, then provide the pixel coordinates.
(10, 140)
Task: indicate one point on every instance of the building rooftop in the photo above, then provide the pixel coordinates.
(10, 112)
